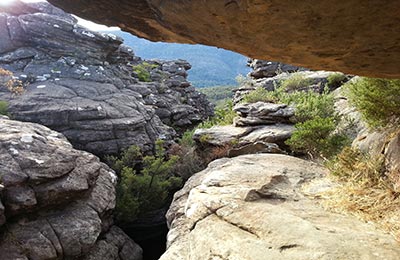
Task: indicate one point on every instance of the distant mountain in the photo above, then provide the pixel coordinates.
(210, 66)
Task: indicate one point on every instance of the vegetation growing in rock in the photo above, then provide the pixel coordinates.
(224, 115)
(3, 108)
(378, 100)
(7, 81)
(261, 94)
(364, 189)
(316, 137)
(315, 118)
(296, 81)
(143, 71)
(218, 95)
(335, 80)
(146, 188)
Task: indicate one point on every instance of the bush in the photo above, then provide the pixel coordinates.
(335, 80)
(309, 104)
(143, 190)
(143, 71)
(4, 108)
(188, 163)
(223, 116)
(316, 137)
(296, 81)
(378, 100)
(261, 94)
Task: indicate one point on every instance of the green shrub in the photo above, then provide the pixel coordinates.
(187, 138)
(378, 100)
(140, 191)
(4, 108)
(223, 116)
(143, 71)
(335, 80)
(316, 137)
(309, 104)
(296, 81)
(261, 94)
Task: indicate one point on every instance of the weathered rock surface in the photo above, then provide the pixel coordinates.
(244, 140)
(265, 69)
(254, 207)
(81, 83)
(355, 37)
(56, 201)
(262, 113)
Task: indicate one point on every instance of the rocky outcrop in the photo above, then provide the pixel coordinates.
(357, 37)
(266, 69)
(56, 202)
(262, 113)
(314, 81)
(261, 202)
(89, 86)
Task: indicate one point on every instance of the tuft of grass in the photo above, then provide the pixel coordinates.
(364, 190)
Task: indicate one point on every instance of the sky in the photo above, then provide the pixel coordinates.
(90, 25)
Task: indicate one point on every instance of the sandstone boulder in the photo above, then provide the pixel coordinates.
(254, 207)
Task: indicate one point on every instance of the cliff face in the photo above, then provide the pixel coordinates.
(355, 37)
(56, 201)
(89, 86)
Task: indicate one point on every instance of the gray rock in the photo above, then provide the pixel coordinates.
(56, 201)
(81, 83)
(266, 69)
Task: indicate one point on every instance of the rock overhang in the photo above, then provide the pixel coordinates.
(355, 37)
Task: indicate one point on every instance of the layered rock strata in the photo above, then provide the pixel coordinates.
(56, 202)
(89, 86)
(355, 37)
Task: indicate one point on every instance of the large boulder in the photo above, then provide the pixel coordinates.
(56, 202)
(255, 207)
(355, 37)
(89, 86)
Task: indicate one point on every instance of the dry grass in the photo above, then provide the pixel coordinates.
(364, 191)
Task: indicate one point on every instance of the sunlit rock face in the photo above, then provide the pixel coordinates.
(355, 36)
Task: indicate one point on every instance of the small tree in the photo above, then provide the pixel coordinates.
(141, 191)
